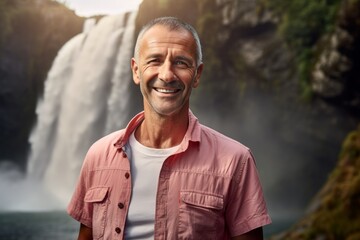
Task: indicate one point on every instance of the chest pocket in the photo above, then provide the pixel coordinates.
(97, 197)
(200, 215)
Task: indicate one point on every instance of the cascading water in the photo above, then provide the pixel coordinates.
(86, 96)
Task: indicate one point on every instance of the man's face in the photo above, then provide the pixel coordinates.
(166, 69)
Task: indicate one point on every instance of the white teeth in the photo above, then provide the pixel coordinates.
(162, 90)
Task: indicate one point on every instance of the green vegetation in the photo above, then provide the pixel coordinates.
(44, 26)
(32, 32)
(337, 215)
(302, 24)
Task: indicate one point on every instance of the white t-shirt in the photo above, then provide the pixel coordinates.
(145, 168)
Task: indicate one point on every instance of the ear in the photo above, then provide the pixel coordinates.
(135, 71)
(198, 75)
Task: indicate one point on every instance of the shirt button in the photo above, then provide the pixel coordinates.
(117, 230)
(127, 175)
(124, 154)
(121, 205)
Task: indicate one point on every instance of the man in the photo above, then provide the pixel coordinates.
(166, 176)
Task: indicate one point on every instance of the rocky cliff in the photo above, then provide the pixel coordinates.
(335, 75)
(34, 31)
(334, 212)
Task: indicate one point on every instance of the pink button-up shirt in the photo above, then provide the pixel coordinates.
(209, 189)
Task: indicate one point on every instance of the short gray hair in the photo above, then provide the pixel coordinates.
(172, 23)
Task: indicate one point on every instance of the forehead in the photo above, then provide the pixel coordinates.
(160, 36)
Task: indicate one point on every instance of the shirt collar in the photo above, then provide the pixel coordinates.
(192, 133)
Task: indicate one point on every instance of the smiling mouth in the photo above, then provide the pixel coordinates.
(166, 90)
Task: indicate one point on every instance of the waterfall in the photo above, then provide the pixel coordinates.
(86, 96)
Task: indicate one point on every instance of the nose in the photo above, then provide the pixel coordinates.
(166, 72)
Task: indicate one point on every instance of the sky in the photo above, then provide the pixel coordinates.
(88, 8)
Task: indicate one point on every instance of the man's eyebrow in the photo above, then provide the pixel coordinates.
(189, 60)
(182, 57)
(153, 55)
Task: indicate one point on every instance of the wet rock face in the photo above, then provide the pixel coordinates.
(335, 73)
(332, 66)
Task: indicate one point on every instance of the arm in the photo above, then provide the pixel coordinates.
(256, 234)
(85, 233)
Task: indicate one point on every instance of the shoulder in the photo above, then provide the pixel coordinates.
(220, 141)
(107, 141)
(224, 153)
(103, 147)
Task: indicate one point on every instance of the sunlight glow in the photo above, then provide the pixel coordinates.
(87, 8)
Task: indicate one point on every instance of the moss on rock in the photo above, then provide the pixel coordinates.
(335, 212)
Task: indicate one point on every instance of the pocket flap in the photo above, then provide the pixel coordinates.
(202, 199)
(96, 194)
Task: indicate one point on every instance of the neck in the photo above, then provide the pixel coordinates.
(158, 131)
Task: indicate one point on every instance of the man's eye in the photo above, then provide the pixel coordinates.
(153, 61)
(181, 64)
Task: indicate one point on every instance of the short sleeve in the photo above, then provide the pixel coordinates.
(78, 208)
(246, 209)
